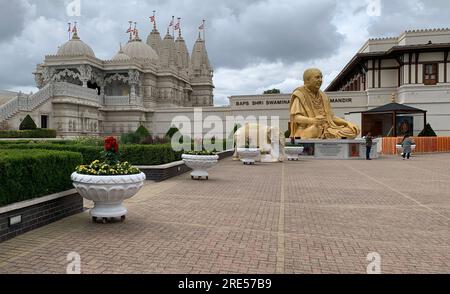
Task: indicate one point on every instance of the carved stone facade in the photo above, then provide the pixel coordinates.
(83, 95)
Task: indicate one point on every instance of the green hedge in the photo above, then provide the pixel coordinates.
(89, 153)
(148, 154)
(38, 133)
(134, 154)
(60, 142)
(35, 173)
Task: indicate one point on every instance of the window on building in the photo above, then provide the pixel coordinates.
(430, 74)
(44, 121)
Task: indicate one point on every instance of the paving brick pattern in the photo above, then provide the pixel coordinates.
(293, 217)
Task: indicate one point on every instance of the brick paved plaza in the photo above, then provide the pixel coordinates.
(293, 217)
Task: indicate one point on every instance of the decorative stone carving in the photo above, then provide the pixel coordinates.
(66, 73)
(85, 73)
(116, 77)
(108, 192)
(293, 152)
(39, 79)
(200, 164)
(248, 155)
(47, 74)
(134, 76)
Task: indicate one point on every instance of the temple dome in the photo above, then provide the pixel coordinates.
(140, 50)
(121, 55)
(75, 47)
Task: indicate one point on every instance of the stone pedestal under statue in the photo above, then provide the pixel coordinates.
(337, 149)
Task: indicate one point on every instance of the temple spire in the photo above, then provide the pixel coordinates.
(153, 20)
(130, 30)
(75, 31)
(135, 32)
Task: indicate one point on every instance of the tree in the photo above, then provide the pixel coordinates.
(287, 134)
(427, 132)
(27, 124)
(235, 128)
(273, 91)
(142, 132)
(172, 131)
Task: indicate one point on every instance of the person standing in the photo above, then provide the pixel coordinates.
(369, 144)
(406, 144)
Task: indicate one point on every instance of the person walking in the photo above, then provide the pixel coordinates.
(407, 146)
(369, 144)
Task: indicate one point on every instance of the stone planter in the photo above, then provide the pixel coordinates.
(200, 164)
(108, 193)
(248, 155)
(293, 152)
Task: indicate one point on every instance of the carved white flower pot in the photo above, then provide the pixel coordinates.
(293, 152)
(248, 155)
(200, 164)
(108, 192)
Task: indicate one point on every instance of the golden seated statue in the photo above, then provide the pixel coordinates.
(311, 114)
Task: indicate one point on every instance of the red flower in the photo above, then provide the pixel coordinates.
(111, 144)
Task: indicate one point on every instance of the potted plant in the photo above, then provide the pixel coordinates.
(108, 183)
(248, 154)
(200, 162)
(293, 150)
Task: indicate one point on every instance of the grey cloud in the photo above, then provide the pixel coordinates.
(288, 33)
(398, 16)
(12, 19)
(239, 34)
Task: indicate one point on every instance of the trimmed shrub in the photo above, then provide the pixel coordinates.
(27, 124)
(89, 153)
(15, 142)
(28, 175)
(427, 132)
(172, 131)
(142, 132)
(235, 128)
(130, 138)
(150, 140)
(287, 134)
(37, 133)
(134, 154)
(149, 154)
(88, 141)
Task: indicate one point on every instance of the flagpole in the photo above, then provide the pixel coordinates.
(204, 31)
(173, 26)
(131, 23)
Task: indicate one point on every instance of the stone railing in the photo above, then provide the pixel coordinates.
(25, 103)
(40, 97)
(72, 90)
(9, 109)
(122, 101)
(117, 100)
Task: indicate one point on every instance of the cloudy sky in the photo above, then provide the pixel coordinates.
(254, 45)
